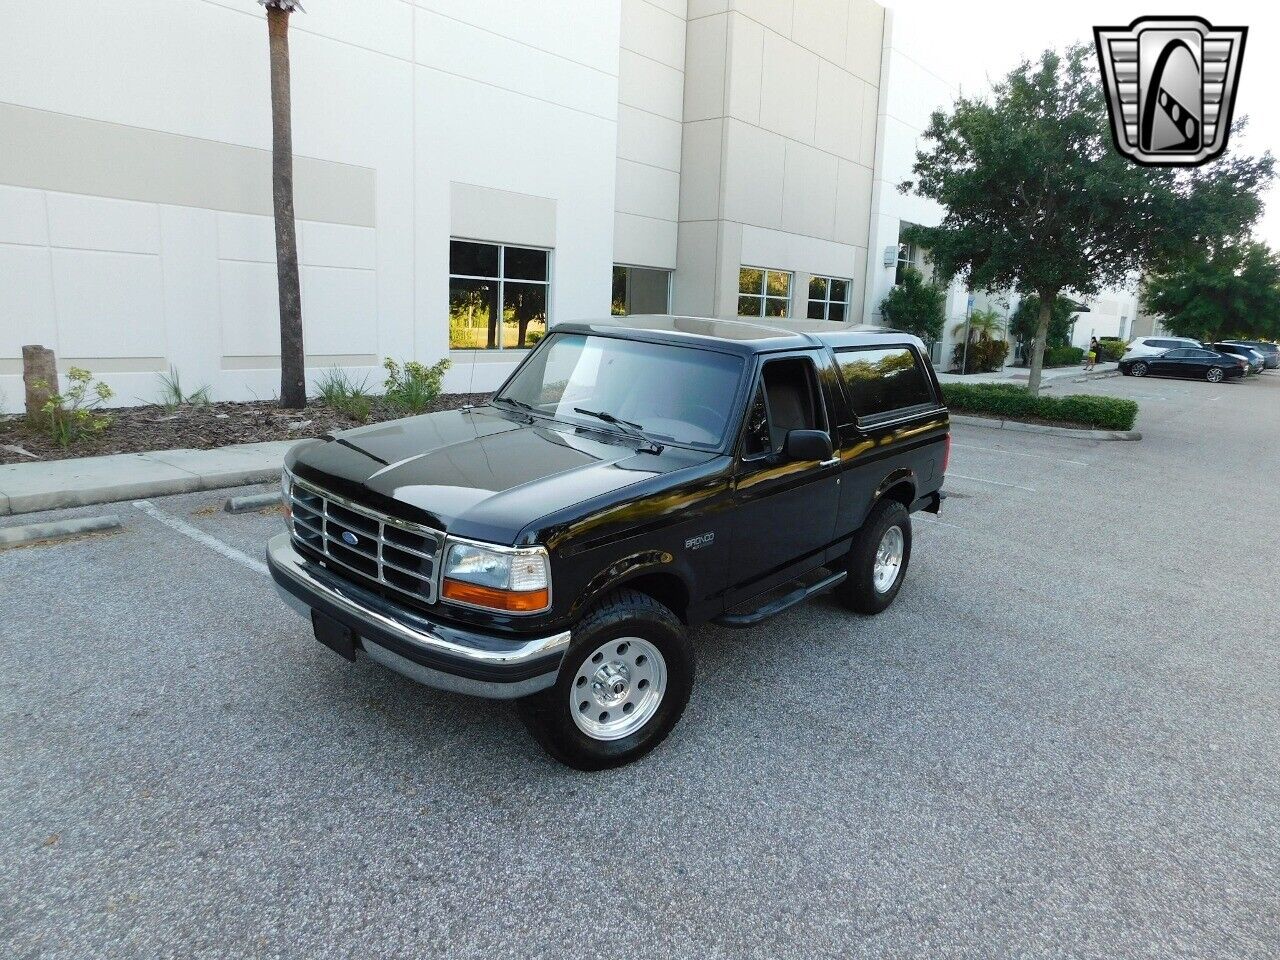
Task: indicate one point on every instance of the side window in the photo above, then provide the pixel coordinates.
(787, 399)
(1178, 354)
(884, 379)
(756, 439)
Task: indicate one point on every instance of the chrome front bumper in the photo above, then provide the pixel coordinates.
(448, 658)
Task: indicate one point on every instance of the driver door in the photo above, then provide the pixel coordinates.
(784, 510)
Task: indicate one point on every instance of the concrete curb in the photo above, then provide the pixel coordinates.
(55, 484)
(1017, 426)
(33, 532)
(249, 504)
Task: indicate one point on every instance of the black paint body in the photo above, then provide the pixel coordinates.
(701, 530)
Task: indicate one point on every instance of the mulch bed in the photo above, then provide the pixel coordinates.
(139, 429)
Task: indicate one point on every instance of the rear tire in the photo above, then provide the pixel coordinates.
(878, 561)
(1214, 375)
(1138, 369)
(623, 684)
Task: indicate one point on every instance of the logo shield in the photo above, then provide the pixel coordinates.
(1171, 87)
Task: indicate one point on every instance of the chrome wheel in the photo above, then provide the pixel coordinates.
(1214, 375)
(888, 559)
(618, 689)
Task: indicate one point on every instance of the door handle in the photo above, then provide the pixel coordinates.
(829, 463)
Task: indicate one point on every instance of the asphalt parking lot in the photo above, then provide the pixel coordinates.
(1061, 741)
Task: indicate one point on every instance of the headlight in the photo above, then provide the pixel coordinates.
(511, 579)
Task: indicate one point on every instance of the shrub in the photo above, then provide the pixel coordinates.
(413, 387)
(1063, 356)
(915, 305)
(72, 416)
(172, 396)
(983, 356)
(1015, 402)
(340, 391)
(1112, 349)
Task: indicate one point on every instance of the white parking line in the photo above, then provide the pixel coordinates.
(998, 483)
(936, 523)
(1011, 453)
(187, 530)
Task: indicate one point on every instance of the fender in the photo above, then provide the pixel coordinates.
(895, 477)
(632, 567)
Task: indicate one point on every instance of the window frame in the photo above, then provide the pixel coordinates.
(763, 296)
(501, 280)
(898, 413)
(827, 301)
(906, 258)
(757, 386)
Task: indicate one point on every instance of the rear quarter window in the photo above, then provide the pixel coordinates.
(881, 380)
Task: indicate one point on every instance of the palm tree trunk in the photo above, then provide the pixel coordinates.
(1037, 345)
(293, 377)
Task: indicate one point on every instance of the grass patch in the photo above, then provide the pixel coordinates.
(1013, 402)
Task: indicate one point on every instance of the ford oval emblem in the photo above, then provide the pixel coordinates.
(349, 538)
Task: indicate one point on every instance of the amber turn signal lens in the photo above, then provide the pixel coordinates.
(525, 601)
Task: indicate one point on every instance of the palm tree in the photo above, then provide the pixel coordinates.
(986, 324)
(293, 374)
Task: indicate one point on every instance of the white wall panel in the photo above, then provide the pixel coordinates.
(109, 304)
(654, 32)
(822, 26)
(97, 223)
(754, 163)
(243, 236)
(337, 245)
(650, 86)
(22, 216)
(788, 89)
(249, 307)
(647, 190)
(26, 304)
(340, 308)
(809, 186)
(706, 43)
(648, 138)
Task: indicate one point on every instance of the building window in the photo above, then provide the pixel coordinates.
(497, 295)
(828, 298)
(640, 290)
(764, 293)
(906, 258)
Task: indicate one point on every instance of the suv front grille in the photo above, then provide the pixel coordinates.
(391, 553)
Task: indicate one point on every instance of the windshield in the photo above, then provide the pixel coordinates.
(673, 394)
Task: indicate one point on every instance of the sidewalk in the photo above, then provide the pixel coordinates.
(51, 485)
(1048, 378)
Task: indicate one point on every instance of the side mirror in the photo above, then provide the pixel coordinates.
(807, 445)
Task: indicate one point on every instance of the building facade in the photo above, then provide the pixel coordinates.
(467, 173)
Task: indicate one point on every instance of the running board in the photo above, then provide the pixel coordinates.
(784, 602)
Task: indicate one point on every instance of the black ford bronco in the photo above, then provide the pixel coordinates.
(631, 479)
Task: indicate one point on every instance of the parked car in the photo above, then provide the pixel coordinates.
(1151, 346)
(633, 478)
(1198, 364)
(1255, 360)
(1270, 351)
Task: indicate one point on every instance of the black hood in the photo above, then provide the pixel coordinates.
(479, 473)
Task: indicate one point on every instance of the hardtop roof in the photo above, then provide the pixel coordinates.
(738, 336)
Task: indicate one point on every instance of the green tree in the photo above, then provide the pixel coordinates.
(293, 373)
(1038, 200)
(982, 325)
(1232, 291)
(915, 306)
(1026, 318)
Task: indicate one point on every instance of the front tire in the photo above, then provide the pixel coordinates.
(878, 561)
(1138, 369)
(1214, 375)
(623, 684)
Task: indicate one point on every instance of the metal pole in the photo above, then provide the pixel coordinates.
(968, 316)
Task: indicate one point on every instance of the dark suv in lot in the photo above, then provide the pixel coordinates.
(631, 479)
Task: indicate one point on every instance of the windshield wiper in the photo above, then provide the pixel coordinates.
(633, 430)
(516, 403)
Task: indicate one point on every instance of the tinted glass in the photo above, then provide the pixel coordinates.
(817, 309)
(521, 263)
(840, 290)
(473, 314)
(750, 280)
(836, 312)
(473, 259)
(778, 284)
(818, 288)
(1177, 354)
(618, 302)
(676, 394)
(524, 314)
(884, 379)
